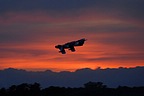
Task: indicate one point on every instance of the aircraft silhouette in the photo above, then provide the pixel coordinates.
(70, 45)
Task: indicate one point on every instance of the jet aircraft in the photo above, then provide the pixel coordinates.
(70, 45)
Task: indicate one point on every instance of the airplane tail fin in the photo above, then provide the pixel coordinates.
(84, 39)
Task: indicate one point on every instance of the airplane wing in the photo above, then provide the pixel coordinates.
(61, 48)
(72, 48)
(62, 51)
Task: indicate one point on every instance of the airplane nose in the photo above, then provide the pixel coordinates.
(56, 46)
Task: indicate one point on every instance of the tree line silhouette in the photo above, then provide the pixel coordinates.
(89, 89)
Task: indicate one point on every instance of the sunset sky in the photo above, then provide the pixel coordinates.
(30, 29)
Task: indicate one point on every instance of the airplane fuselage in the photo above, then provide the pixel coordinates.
(70, 45)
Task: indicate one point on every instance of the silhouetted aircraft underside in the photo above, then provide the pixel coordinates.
(70, 45)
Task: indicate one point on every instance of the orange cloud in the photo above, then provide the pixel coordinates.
(28, 41)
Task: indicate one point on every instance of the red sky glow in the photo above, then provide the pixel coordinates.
(28, 34)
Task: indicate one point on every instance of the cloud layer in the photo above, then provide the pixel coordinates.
(29, 30)
(122, 77)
